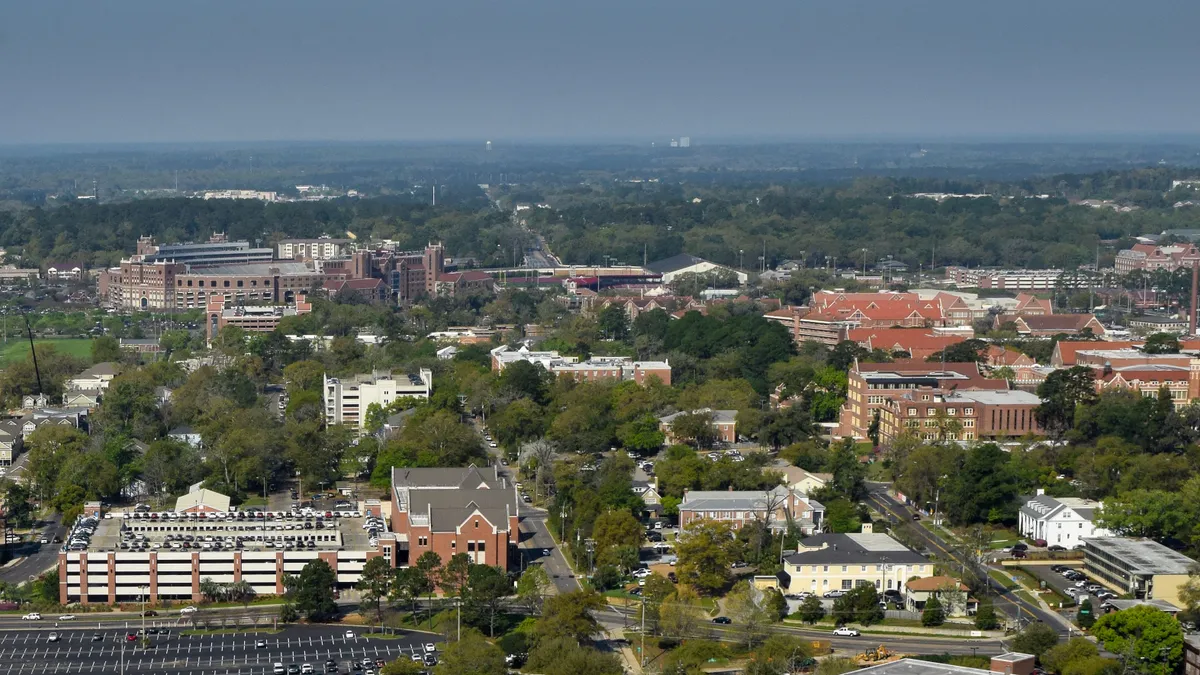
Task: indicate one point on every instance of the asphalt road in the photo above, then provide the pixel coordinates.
(31, 651)
(1004, 601)
(34, 558)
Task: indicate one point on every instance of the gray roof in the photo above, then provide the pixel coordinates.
(181, 430)
(1119, 604)
(999, 397)
(729, 500)
(441, 477)
(448, 509)
(1141, 556)
(718, 416)
(843, 549)
(103, 368)
(919, 667)
(674, 263)
(263, 269)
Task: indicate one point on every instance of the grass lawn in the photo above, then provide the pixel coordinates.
(1004, 579)
(18, 350)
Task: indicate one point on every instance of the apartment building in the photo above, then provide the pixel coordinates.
(724, 423)
(1152, 257)
(871, 385)
(1142, 568)
(251, 318)
(321, 248)
(829, 562)
(347, 399)
(918, 343)
(1060, 521)
(1017, 280)
(948, 414)
(595, 369)
(739, 507)
(451, 511)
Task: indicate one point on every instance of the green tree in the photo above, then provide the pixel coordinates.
(614, 530)
(779, 655)
(314, 592)
(241, 591)
(933, 615)
(570, 615)
(695, 428)
(17, 507)
(487, 588)
(985, 616)
(775, 604)
(1059, 657)
(1145, 633)
(849, 474)
(533, 586)
(705, 554)
(1161, 343)
(860, 604)
(1062, 392)
(1036, 639)
(375, 584)
(105, 348)
(811, 610)
(747, 607)
(836, 665)
(1087, 614)
(564, 656)
(472, 655)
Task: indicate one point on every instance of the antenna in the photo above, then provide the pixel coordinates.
(435, 195)
(33, 352)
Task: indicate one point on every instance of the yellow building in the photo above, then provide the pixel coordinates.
(840, 562)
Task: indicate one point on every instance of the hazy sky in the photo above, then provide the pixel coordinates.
(192, 70)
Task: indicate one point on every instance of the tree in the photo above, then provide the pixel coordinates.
(1036, 639)
(681, 615)
(17, 507)
(696, 428)
(1161, 343)
(849, 474)
(487, 587)
(779, 655)
(860, 604)
(564, 656)
(775, 604)
(705, 554)
(375, 584)
(1062, 392)
(614, 530)
(933, 615)
(1145, 633)
(985, 616)
(402, 666)
(836, 665)
(472, 655)
(569, 615)
(211, 590)
(105, 348)
(746, 606)
(811, 610)
(1057, 658)
(428, 576)
(314, 592)
(455, 575)
(533, 586)
(241, 591)
(1087, 614)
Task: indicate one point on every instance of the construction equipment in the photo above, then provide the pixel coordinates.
(881, 653)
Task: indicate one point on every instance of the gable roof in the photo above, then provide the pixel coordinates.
(101, 369)
(935, 583)
(203, 497)
(1074, 322)
(918, 342)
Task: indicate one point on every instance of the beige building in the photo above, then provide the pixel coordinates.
(1142, 568)
(840, 562)
(804, 482)
(950, 592)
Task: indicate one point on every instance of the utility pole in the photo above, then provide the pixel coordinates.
(643, 649)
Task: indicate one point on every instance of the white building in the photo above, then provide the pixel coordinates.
(321, 248)
(1060, 521)
(346, 401)
(683, 263)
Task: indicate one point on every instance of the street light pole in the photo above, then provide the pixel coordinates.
(643, 650)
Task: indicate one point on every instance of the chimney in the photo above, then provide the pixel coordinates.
(868, 528)
(1012, 663)
(1195, 282)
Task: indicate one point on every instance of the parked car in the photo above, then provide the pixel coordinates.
(843, 631)
(723, 620)
(53, 637)
(1018, 553)
(1056, 548)
(188, 610)
(835, 593)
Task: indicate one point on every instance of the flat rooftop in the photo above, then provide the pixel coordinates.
(1142, 556)
(229, 531)
(918, 667)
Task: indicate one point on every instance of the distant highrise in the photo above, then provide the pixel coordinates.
(674, 143)
(488, 146)
(685, 141)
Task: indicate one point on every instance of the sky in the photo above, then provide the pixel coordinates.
(119, 71)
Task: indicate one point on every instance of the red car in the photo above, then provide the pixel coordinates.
(130, 637)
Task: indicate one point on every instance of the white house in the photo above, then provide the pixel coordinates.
(98, 377)
(186, 434)
(1060, 521)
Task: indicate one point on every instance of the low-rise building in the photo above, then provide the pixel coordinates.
(724, 423)
(202, 501)
(1011, 663)
(677, 265)
(1060, 521)
(802, 481)
(840, 562)
(367, 290)
(952, 594)
(65, 271)
(97, 377)
(321, 248)
(595, 369)
(1057, 324)
(947, 414)
(454, 510)
(251, 318)
(1139, 567)
(1009, 280)
(774, 507)
(347, 399)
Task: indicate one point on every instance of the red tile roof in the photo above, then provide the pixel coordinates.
(918, 342)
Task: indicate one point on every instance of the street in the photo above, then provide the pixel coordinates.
(1004, 601)
(79, 651)
(32, 558)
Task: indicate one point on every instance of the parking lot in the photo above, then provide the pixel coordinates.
(1069, 587)
(81, 650)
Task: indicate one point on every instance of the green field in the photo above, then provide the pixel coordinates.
(18, 350)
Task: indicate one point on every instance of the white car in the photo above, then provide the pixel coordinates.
(306, 668)
(32, 616)
(642, 572)
(430, 648)
(67, 617)
(188, 610)
(350, 635)
(54, 637)
(278, 669)
(845, 632)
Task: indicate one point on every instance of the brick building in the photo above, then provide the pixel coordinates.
(251, 318)
(451, 511)
(945, 414)
(739, 507)
(724, 423)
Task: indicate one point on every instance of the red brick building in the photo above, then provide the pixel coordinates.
(454, 510)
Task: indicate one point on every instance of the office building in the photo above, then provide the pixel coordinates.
(321, 248)
(251, 318)
(347, 399)
(1142, 568)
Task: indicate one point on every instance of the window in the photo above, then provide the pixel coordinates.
(847, 584)
(912, 411)
(924, 397)
(968, 411)
(951, 411)
(422, 541)
(470, 547)
(453, 545)
(968, 423)
(477, 524)
(240, 283)
(480, 547)
(387, 553)
(864, 568)
(930, 412)
(226, 283)
(825, 568)
(845, 568)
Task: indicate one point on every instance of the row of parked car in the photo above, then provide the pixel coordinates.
(1082, 585)
(81, 533)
